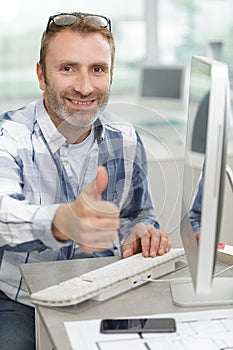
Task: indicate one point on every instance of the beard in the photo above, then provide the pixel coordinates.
(59, 108)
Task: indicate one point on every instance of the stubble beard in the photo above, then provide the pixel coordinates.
(58, 107)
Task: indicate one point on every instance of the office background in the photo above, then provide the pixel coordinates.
(154, 31)
(147, 32)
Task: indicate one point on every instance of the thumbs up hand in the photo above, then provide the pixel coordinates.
(89, 221)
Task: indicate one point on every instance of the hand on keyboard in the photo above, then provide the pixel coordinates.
(148, 239)
(108, 281)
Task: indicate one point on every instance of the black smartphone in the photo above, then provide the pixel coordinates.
(138, 325)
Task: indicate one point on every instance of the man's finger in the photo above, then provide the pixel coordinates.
(95, 189)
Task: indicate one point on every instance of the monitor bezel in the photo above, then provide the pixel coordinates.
(214, 179)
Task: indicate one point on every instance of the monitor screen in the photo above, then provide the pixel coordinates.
(163, 87)
(163, 81)
(208, 106)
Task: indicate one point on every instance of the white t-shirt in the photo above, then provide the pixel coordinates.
(77, 154)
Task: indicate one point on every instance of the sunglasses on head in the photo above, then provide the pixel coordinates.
(67, 19)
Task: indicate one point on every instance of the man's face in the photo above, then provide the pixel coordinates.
(78, 77)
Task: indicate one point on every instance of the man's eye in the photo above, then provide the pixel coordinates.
(66, 69)
(98, 69)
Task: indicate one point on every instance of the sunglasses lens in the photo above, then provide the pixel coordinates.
(99, 21)
(65, 20)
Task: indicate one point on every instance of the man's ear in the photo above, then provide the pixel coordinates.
(40, 76)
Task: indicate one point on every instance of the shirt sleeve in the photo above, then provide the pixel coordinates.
(21, 221)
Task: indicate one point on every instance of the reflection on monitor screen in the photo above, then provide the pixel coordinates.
(206, 133)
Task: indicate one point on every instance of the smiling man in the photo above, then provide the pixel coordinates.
(72, 180)
(76, 84)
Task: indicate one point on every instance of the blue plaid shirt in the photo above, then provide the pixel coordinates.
(36, 177)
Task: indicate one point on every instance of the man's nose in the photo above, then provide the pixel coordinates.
(83, 84)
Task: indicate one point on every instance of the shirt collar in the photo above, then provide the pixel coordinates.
(52, 136)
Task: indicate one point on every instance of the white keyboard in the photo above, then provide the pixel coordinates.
(108, 281)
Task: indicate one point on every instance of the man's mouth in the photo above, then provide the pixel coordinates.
(81, 104)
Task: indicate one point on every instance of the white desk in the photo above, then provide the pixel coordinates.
(152, 298)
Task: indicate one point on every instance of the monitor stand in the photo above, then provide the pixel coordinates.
(221, 293)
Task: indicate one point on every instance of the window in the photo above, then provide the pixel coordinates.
(195, 27)
(176, 30)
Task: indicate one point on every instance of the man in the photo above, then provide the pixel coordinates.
(72, 179)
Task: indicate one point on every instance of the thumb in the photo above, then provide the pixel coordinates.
(100, 183)
(101, 179)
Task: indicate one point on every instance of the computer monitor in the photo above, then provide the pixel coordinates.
(209, 82)
(163, 87)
